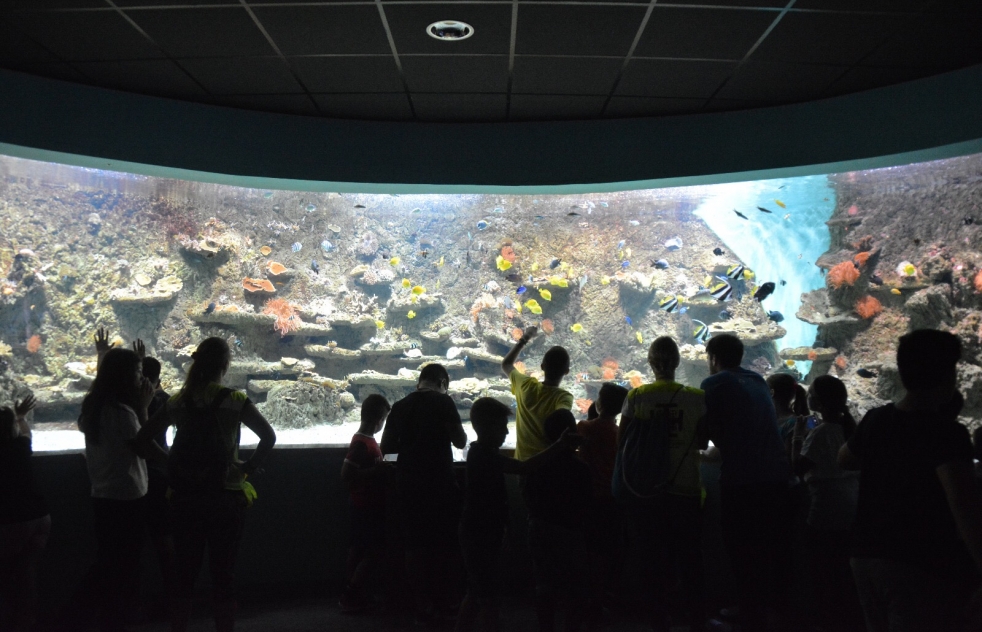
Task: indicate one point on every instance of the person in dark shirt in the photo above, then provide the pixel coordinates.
(421, 429)
(558, 495)
(24, 520)
(756, 505)
(918, 532)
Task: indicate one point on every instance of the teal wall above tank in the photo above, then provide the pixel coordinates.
(46, 119)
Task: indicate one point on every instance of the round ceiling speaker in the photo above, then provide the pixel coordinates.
(450, 30)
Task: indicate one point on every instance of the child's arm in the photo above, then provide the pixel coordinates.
(351, 473)
(508, 363)
(567, 441)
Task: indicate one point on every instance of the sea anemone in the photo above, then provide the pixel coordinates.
(978, 281)
(287, 319)
(812, 355)
(610, 362)
(584, 405)
(868, 307)
(841, 362)
(608, 373)
(516, 333)
(257, 285)
(547, 326)
(844, 273)
(636, 381)
(275, 268)
(861, 258)
(508, 254)
(34, 344)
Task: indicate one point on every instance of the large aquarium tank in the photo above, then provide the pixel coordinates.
(327, 297)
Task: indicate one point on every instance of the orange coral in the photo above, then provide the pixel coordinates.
(861, 258)
(608, 373)
(516, 333)
(844, 273)
(868, 307)
(508, 254)
(610, 362)
(509, 314)
(265, 251)
(841, 362)
(257, 285)
(813, 355)
(584, 405)
(636, 381)
(34, 344)
(275, 268)
(978, 281)
(547, 326)
(287, 319)
(520, 367)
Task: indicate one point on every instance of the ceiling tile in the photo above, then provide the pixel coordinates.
(348, 74)
(56, 70)
(827, 38)
(864, 5)
(546, 29)
(204, 32)
(702, 33)
(949, 40)
(376, 107)
(244, 75)
(41, 5)
(171, 3)
(15, 45)
(456, 74)
(491, 22)
(730, 105)
(632, 107)
(283, 103)
(673, 79)
(320, 30)
(760, 4)
(565, 75)
(460, 107)
(88, 36)
(779, 82)
(859, 78)
(151, 76)
(544, 107)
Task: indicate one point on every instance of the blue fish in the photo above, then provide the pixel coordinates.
(296, 247)
(624, 264)
(469, 364)
(776, 316)
(481, 225)
(620, 244)
(311, 208)
(268, 194)
(627, 319)
(327, 246)
(210, 308)
(521, 289)
(554, 263)
(684, 309)
(661, 264)
(238, 342)
(725, 315)
(603, 204)
(315, 266)
(507, 303)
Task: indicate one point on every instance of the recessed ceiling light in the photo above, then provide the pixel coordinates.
(450, 30)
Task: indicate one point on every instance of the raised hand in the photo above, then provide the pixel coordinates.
(531, 331)
(139, 348)
(101, 338)
(25, 406)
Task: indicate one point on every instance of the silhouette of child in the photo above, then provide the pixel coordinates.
(365, 472)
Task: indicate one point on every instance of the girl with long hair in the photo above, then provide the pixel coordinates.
(208, 481)
(790, 403)
(112, 413)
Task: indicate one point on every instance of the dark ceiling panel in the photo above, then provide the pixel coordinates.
(88, 36)
(632, 107)
(460, 107)
(780, 82)
(348, 74)
(171, 3)
(320, 30)
(545, 29)
(864, 5)
(771, 4)
(729, 105)
(55, 70)
(15, 45)
(151, 76)
(456, 74)
(566, 75)
(491, 22)
(661, 78)
(949, 40)
(245, 75)
(543, 107)
(36, 5)
(204, 32)
(827, 38)
(384, 107)
(702, 33)
(286, 103)
(861, 78)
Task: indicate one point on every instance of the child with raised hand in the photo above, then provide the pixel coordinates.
(365, 472)
(485, 516)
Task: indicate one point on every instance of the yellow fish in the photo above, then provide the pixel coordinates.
(558, 281)
(414, 299)
(748, 274)
(564, 266)
(576, 328)
(707, 281)
(437, 285)
(503, 264)
(518, 307)
(895, 291)
(406, 283)
(439, 263)
(627, 253)
(909, 269)
(394, 261)
(780, 203)
(411, 314)
(419, 289)
(605, 280)
(546, 294)
(535, 266)
(380, 324)
(533, 306)
(789, 363)
(639, 337)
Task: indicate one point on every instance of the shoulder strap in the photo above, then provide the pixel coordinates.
(685, 454)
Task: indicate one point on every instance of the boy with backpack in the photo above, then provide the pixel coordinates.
(657, 477)
(365, 472)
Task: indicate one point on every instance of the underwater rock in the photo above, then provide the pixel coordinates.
(243, 368)
(166, 289)
(331, 352)
(751, 334)
(376, 276)
(929, 308)
(244, 320)
(346, 400)
(464, 342)
(480, 355)
(261, 387)
(359, 270)
(257, 285)
(815, 310)
(300, 404)
(468, 385)
(374, 378)
(5, 349)
(141, 279)
(384, 349)
(812, 354)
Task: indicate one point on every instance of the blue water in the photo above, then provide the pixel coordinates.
(782, 245)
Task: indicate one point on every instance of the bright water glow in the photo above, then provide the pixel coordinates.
(776, 248)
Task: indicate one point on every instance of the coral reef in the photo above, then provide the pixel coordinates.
(868, 307)
(844, 273)
(285, 313)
